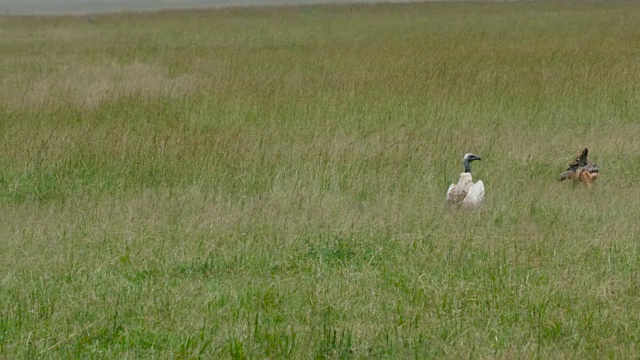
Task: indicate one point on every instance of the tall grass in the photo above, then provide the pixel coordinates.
(269, 182)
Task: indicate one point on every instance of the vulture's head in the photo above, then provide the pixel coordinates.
(467, 159)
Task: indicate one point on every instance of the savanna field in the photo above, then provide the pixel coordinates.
(270, 182)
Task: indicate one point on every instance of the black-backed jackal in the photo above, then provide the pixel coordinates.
(581, 170)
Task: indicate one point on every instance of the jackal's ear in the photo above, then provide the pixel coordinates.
(581, 160)
(583, 156)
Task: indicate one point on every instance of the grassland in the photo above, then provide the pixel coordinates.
(269, 183)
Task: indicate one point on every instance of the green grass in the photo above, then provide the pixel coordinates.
(269, 182)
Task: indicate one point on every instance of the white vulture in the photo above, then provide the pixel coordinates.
(581, 170)
(465, 192)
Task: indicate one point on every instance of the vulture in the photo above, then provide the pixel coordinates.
(466, 192)
(581, 170)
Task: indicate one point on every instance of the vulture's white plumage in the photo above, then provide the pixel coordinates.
(466, 192)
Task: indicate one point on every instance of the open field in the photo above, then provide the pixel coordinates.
(269, 182)
(84, 7)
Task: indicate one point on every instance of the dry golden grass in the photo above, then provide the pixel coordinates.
(90, 86)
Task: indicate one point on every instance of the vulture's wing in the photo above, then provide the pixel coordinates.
(475, 195)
